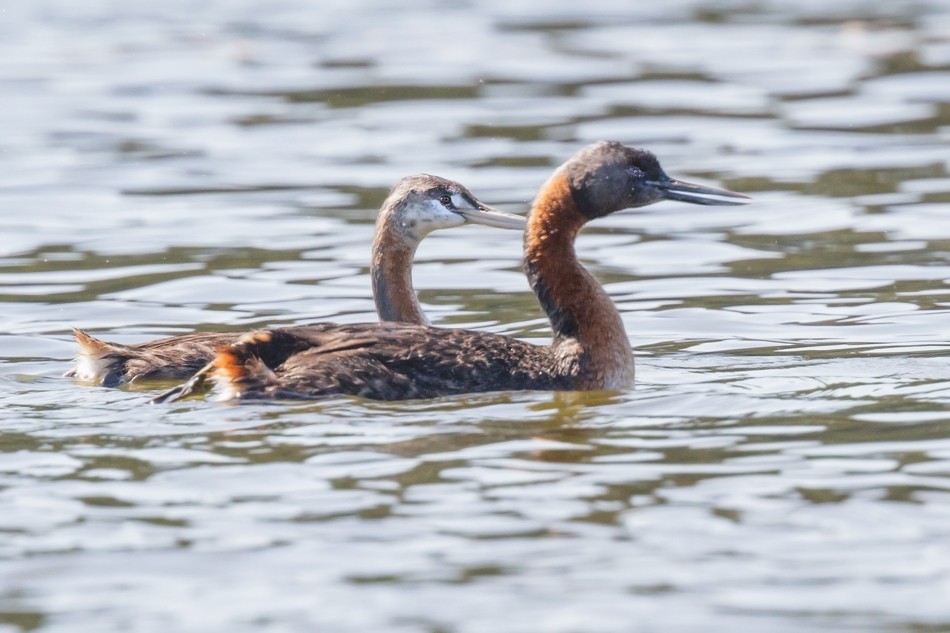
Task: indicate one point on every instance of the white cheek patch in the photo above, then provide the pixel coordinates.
(419, 220)
(417, 214)
(459, 201)
(439, 217)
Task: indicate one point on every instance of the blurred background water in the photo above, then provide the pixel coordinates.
(781, 465)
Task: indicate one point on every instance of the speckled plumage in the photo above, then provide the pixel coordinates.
(386, 362)
(416, 206)
(174, 357)
(589, 350)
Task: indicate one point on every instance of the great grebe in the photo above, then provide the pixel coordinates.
(392, 361)
(416, 206)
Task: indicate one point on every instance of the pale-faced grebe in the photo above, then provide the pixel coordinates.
(415, 207)
(392, 361)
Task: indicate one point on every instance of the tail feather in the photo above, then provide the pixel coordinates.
(96, 359)
(88, 344)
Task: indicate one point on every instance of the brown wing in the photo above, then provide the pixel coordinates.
(175, 357)
(112, 364)
(386, 361)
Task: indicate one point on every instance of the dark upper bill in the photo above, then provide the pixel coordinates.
(697, 194)
(488, 216)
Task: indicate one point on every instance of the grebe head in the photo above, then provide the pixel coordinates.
(607, 176)
(418, 205)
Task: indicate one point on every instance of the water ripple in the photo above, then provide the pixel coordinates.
(781, 464)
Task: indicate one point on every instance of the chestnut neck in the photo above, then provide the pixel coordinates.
(391, 273)
(585, 323)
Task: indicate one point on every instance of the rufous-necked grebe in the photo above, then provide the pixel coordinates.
(415, 207)
(392, 361)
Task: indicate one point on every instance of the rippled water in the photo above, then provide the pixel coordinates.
(781, 465)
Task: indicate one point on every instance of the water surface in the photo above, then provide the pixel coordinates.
(781, 465)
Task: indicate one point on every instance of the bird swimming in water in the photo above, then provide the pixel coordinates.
(389, 361)
(416, 206)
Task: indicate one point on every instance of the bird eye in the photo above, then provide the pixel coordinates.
(446, 201)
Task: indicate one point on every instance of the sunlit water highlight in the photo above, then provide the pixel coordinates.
(781, 465)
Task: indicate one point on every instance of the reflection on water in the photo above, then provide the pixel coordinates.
(781, 465)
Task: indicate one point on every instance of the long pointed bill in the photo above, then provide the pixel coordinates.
(697, 194)
(488, 216)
